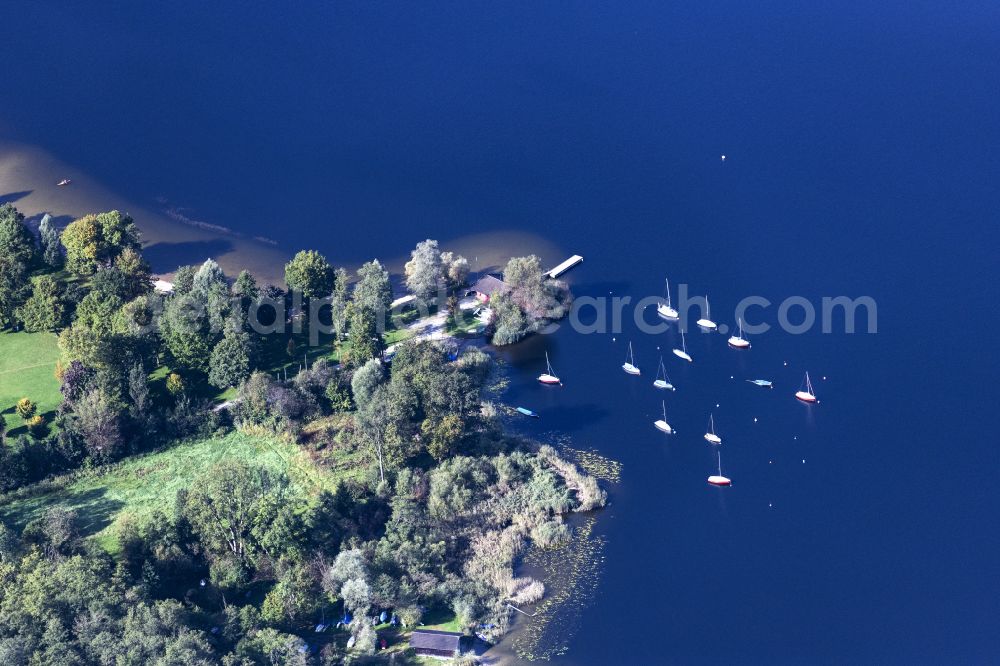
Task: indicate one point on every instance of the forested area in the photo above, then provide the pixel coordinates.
(390, 494)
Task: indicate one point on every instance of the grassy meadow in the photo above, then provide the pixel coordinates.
(27, 370)
(135, 488)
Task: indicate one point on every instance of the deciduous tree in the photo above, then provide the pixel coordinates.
(45, 310)
(96, 239)
(231, 361)
(373, 290)
(425, 272)
(16, 241)
(310, 273)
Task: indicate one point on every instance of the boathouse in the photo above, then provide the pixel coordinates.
(432, 643)
(486, 286)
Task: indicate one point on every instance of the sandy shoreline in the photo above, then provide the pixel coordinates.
(28, 177)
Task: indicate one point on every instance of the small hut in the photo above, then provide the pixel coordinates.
(486, 287)
(432, 643)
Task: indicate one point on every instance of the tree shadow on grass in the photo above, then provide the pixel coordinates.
(22, 429)
(11, 197)
(94, 510)
(166, 257)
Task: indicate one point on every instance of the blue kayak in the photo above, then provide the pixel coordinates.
(761, 382)
(527, 412)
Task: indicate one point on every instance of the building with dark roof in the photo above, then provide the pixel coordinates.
(486, 286)
(432, 643)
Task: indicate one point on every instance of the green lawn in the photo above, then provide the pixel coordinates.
(27, 367)
(139, 486)
(441, 619)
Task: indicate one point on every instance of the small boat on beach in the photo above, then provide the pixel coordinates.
(738, 341)
(718, 479)
(705, 322)
(662, 424)
(549, 377)
(662, 381)
(806, 393)
(64, 182)
(683, 351)
(527, 412)
(629, 365)
(765, 383)
(710, 435)
(666, 310)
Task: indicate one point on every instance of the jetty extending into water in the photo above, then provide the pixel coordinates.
(564, 266)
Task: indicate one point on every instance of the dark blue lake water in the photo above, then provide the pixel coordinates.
(861, 142)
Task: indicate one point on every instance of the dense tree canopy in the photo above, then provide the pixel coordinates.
(530, 302)
(374, 484)
(48, 236)
(363, 339)
(96, 239)
(187, 331)
(425, 271)
(45, 310)
(374, 289)
(14, 290)
(310, 273)
(231, 359)
(16, 242)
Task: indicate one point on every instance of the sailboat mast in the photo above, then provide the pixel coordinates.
(719, 455)
(668, 292)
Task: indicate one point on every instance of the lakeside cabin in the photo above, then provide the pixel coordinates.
(485, 287)
(431, 643)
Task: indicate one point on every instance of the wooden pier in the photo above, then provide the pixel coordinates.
(564, 266)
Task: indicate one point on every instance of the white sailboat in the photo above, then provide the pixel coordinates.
(718, 479)
(662, 381)
(705, 322)
(710, 436)
(662, 424)
(629, 365)
(683, 351)
(549, 376)
(806, 394)
(666, 310)
(738, 341)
